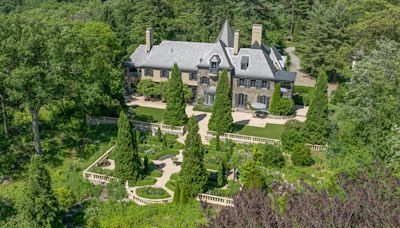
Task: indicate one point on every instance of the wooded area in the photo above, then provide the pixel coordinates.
(61, 60)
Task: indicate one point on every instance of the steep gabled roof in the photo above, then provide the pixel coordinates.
(226, 35)
(218, 49)
(163, 56)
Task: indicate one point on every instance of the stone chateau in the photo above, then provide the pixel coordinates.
(253, 71)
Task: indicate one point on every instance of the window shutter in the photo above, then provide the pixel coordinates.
(238, 82)
(258, 84)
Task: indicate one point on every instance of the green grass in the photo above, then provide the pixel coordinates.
(153, 115)
(152, 193)
(273, 131)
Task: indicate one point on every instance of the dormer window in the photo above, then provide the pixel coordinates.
(214, 64)
(244, 64)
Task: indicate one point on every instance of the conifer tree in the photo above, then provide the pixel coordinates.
(193, 176)
(276, 97)
(221, 175)
(317, 115)
(40, 205)
(175, 113)
(127, 161)
(221, 118)
(177, 194)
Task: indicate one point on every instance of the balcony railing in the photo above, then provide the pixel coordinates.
(213, 70)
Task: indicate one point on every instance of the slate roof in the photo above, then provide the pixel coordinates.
(264, 62)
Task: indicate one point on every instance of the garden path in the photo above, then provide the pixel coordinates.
(168, 168)
(302, 77)
(203, 117)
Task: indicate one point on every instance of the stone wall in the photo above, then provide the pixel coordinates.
(251, 92)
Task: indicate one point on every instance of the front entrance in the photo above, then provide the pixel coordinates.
(209, 98)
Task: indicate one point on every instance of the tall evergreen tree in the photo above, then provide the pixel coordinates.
(127, 161)
(193, 176)
(221, 118)
(175, 113)
(276, 97)
(317, 115)
(40, 205)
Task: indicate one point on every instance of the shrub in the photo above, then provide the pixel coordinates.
(156, 173)
(149, 89)
(152, 193)
(301, 155)
(146, 181)
(272, 156)
(276, 96)
(292, 134)
(285, 107)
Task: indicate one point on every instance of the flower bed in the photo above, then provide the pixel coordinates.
(152, 193)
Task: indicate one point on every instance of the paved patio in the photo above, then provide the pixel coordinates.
(238, 117)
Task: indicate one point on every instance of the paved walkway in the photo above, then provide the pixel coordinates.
(302, 77)
(168, 168)
(203, 117)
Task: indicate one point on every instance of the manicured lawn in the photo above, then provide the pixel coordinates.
(273, 131)
(147, 114)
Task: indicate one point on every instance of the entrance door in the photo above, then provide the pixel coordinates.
(242, 100)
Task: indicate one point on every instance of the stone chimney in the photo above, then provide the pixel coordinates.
(256, 36)
(149, 39)
(236, 42)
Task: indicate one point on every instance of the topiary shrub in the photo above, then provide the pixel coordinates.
(272, 156)
(301, 155)
(285, 107)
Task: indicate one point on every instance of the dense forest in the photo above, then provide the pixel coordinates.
(61, 60)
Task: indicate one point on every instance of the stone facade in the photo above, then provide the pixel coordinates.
(252, 93)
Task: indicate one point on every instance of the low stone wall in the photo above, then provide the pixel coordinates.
(144, 201)
(97, 178)
(144, 126)
(248, 139)
(217, 200)
(242, 139)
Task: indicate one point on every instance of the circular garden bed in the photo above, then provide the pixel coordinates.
(152, 193)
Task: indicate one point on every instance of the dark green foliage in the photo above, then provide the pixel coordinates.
(302, 95)
(175, 113)
(127, 161)
(317, 116)
(40, 205)
(285, 107)
(217, 141)
(193, 176)
(165, 142)
(146, 167)
(149, 89)
(293, 134)
(221, 118)
(323, 35)
(272, 156)
(221, 175)
(301, 155)
(6, 209)
(177, 194)
(184, 196)
(159, 135)
(276, 96)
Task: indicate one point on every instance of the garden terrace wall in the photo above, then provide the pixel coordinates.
(144, 201)
(144, 126)
(217, 200)
(97, 178)
(248, 139)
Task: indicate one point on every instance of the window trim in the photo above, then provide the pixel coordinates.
(148, 72)
(191, 78)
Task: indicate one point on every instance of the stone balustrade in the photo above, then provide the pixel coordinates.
(96, 177)
(144, 126)
(248, 139)
(243, 139)
(217, 200)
